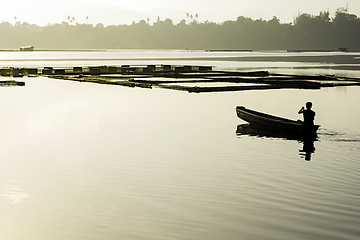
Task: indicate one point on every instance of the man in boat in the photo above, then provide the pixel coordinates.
(309, 115)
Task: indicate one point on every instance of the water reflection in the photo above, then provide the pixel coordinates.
(308, 148)
(12, 191)
(308, 142)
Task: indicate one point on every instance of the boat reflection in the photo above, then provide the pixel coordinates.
(308, 142)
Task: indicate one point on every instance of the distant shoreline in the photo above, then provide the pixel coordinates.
(186, 50)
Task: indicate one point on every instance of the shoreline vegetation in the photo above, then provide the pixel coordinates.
(307, 33)
(193, 79)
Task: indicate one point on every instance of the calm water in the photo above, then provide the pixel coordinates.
(88, 161)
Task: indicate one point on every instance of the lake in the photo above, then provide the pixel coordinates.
(90, 161)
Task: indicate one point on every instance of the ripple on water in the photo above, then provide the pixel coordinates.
(14, 194)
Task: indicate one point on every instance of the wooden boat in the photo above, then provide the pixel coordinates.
(273, 123)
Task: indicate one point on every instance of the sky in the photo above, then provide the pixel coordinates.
(115, 12)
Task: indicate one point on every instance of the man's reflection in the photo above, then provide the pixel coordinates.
(308, 149)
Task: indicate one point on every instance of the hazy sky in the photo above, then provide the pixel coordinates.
(117, 12)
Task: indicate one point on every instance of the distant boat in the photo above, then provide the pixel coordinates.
(27, 48)
(273, 123)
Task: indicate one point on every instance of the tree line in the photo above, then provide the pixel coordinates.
(307, 32)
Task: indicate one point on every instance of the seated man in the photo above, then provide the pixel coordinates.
(308, 115)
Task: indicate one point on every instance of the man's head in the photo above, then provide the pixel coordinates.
(308, 105)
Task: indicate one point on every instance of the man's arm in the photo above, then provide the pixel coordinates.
(301, 110)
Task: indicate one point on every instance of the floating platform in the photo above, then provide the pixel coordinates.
(188, 78)
(341, 49)
(228, 50)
